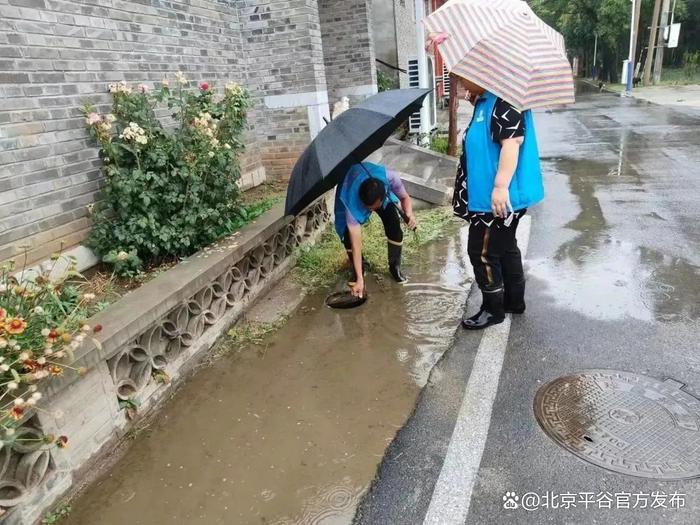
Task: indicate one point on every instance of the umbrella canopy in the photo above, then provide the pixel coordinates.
(348, 139)
(502, 46)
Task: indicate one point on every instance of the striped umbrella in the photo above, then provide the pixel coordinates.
(502, 46)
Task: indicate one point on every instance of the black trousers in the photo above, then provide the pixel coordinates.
(496, 259)
(392, 226)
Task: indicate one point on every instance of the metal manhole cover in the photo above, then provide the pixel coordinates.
(624, 422)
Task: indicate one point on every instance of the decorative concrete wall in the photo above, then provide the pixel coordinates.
(164, 327)
(348, 48)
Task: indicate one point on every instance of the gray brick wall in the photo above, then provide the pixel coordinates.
(283, 46)
(348, 48)
(57, 54)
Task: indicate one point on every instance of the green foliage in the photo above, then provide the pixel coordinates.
(580, 20)
(62, 511)
(439, 144)
(127, 264)
(320, 264)
(691, 64)
(254, 333)
(167, 193)
(385, 82)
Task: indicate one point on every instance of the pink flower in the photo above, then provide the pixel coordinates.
(92, 119)
(143, 88)
(204, 86)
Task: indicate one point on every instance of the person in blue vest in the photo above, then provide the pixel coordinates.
(368, 188)
(498, 179)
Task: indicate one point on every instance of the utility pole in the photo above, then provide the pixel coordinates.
(659, 64)
(595, 57)
(652, 42)
(634, 34)
(452, 136)
(422, 72)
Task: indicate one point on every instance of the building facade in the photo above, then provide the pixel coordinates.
(295, 57)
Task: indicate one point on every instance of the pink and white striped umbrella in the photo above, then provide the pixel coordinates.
(502, 46)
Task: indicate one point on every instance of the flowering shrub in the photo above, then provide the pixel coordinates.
(168, 192)
(41, 324)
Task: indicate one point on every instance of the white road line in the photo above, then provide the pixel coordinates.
(453, 490)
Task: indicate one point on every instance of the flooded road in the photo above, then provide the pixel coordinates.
(613, 269)
(291, 431)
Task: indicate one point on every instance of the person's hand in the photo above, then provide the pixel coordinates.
(499, 202)
(358, 289)
(412, 224)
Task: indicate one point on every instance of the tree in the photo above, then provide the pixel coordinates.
(580, 20)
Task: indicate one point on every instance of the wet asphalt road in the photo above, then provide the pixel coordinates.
(613, 283)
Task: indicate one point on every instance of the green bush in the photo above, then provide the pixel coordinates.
(385, 82)
(168, 193)
(691, 64)
(439, 144)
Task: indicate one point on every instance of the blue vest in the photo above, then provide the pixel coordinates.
(347, 196)
(526, 188)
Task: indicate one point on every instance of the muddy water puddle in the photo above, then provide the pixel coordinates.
(291, 431)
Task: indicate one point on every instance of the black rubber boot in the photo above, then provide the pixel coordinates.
(395, 263)
(514, 298)
(491, 312)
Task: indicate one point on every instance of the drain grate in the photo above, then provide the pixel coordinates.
(624, 422)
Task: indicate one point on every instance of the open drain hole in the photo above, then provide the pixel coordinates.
(588, 438)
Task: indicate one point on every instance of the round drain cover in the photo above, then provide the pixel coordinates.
(624, 422)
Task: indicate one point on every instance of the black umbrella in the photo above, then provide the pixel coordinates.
(349, 139)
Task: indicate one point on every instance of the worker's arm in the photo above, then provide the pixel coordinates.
(507, 164)
(398, 189)
(355, 233)
(407, 207)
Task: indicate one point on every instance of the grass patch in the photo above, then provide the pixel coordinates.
(319, 265)
(58, 514)
(254, 333)
(245, 334)
(441, 144)
(680, 76)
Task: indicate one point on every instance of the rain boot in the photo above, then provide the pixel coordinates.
(395, 263)
(491, 311)
(514, 297)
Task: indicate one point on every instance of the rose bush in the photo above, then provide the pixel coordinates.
(168, 192)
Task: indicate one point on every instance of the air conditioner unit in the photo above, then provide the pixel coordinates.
(446, 79)
(414, 82)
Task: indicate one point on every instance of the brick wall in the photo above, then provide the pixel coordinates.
(348, 48)
(54, 56)
(282, 43)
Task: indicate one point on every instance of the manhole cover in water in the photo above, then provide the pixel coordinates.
(624, 422)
